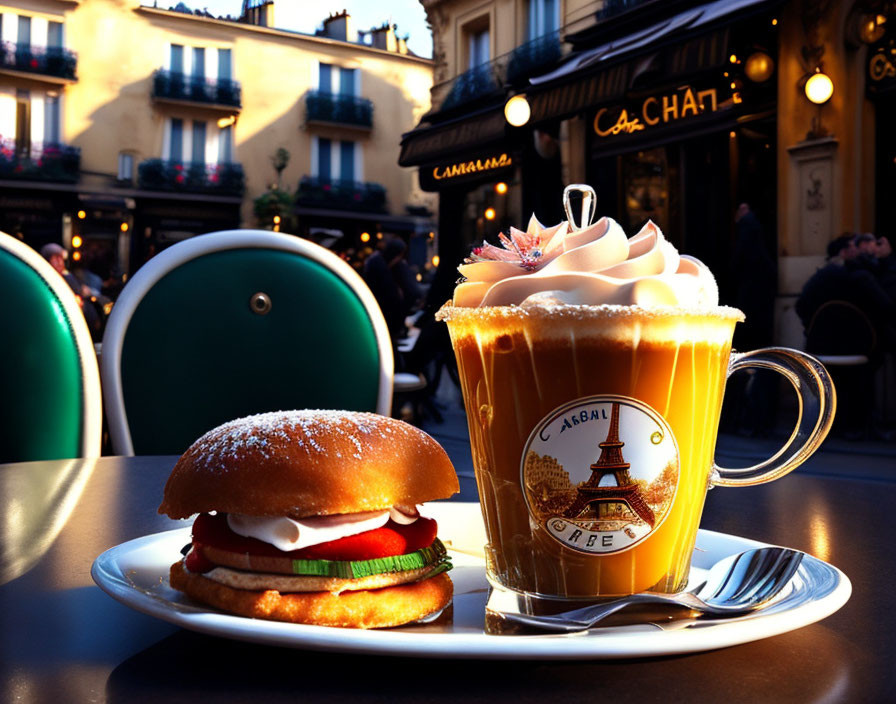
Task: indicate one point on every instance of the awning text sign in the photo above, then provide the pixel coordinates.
(654, 111)
(473, 169)
(472, 166)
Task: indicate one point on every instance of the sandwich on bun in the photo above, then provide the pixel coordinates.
(311, 517)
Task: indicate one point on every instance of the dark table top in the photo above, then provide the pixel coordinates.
(63, 639)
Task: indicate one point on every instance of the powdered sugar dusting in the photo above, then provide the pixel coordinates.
(306, 430)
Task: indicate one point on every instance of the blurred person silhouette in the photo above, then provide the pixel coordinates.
(866, 253)
(844, 278)
(859, 320)
(57, 256)
(886, 266)
(432, 352)
(387, 274)
(755, 280)
(84, 270)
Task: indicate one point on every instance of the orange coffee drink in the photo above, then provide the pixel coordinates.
(593, 402)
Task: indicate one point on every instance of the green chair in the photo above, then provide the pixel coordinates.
(50, 401)
(233, 323)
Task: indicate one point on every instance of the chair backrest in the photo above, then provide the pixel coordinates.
(234, 323)
(841, 328)
(50, 400)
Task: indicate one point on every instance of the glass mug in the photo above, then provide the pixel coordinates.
(593, 433)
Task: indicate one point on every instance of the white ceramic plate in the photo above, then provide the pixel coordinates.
(136, 574)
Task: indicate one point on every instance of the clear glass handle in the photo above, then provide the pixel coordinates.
(815, 413)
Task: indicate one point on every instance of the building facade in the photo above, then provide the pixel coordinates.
(674, 111)
(127, 127)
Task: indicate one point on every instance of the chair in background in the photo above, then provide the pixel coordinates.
(51, 405)
(842, 337)
(234, 323)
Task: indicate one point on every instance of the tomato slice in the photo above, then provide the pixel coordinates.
(391, 539)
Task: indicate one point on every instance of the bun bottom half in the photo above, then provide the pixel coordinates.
(378, 608)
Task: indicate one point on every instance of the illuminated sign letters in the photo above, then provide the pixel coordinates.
(656, 110)
(465, 168)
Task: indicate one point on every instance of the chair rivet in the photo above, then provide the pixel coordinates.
(260, 303)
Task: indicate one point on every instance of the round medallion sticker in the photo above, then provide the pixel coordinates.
(600, 473)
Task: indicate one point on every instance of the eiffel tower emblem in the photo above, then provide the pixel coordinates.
(596, 494)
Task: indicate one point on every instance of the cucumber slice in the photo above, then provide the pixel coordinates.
(435, 553)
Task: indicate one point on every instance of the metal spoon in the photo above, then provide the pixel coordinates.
(734, 585)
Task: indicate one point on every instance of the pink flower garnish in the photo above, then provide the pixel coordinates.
(529, 250)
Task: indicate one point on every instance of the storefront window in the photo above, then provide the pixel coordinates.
(645, 182)
(488, 210)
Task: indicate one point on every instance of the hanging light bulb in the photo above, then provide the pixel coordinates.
(819, 88)
(759, 67)
(517, 111)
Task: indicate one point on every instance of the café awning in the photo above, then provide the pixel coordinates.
(425, 144)
(698, 38)
(684, 22)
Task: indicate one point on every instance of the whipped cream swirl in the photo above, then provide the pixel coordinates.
(592, 266)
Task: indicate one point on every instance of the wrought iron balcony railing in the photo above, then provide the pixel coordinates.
(511, 69)
(45, 60)
(338, 108)
(168, 85)
(338, 194)
(213, 179)
(59, 163)
(533, 57)
(613, 8)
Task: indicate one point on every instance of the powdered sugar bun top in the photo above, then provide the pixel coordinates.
(307, 463)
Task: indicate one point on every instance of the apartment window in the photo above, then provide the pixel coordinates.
(198, 68)
(176, 141)
(325, 78)
(225, 145)
(125, 166)
(24, 35)
(347, 161)
(336, 160)
(225, 68)
(337, 80)
(176, 59)
(324, 156)
(198, 146)
(544, 18)
(52, 119)
(477, 37)
(23, 122)
(347, 81)
(54, 34)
